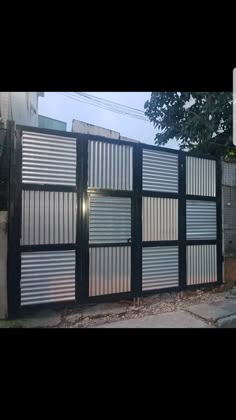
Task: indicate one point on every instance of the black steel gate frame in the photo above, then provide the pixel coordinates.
(81, 246)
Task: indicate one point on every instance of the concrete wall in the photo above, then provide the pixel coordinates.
(230, 270)
(3, 265)
(85, 128)
(229, 220)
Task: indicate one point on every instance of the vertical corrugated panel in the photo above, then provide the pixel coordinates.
(109, 219)
(160, 219)
(200, 176)
(109, 270)
(47, 277)
(48, 217)
(229, 174)
(201, 264)
(160, 171)
(160, 267)
(110, 166)
(48, 159)
(201, 219)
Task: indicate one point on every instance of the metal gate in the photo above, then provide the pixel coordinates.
(94, 219)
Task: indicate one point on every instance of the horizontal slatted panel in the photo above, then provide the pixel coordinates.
(47, 277)
(160, 219)
(48, 217)
(48, 159)
(109, 270)
(201, 219)
(200, 176)
(201, 264)
(160, 267)
(110, 166)
(109, 219)
(160, 171)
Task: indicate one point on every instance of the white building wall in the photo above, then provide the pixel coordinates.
(22, 107)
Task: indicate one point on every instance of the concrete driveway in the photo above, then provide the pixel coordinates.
(179, 319)
(203, 315)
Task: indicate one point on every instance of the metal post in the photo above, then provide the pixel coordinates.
(136, 254)
(14, 217)
(182, 220)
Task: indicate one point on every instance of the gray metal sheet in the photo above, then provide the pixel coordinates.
(200, 176)
(47, 277)
(48, 159)
(160, 219)
(160, 171)
(109, 270)
(160, 267)
(48, 217)
(201, 264)
(109, 219)
(110, 166)
(201, 219)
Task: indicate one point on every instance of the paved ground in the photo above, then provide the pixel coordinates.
(167, 320)
(212, 311)
(199, 309)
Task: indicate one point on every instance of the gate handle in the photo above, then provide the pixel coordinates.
(129, 240)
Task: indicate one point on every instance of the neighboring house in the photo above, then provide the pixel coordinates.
(46, 122)
(22, 107)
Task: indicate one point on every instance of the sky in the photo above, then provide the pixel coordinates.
(55, 105)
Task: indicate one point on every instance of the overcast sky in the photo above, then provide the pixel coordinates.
(60, 107)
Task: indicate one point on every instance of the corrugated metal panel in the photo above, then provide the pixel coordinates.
(229, 173)
(160, 267)
(47, 277)
(109, 270)
(48, 217)
(160, 171)
(201, 219)
(201, 264)
(48, 159)
(110, 166)
(200, 176)
(109, 219)
(160, 219)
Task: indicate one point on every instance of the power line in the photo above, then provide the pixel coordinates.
(107, 105)
(108, 101)
(110, 104)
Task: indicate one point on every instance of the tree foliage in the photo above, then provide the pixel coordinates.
(199, 121)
